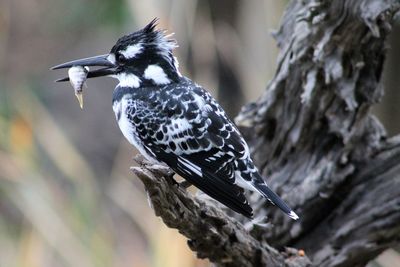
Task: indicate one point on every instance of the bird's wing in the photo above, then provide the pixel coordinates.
(193, 136)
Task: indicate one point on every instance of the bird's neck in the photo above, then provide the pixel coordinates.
(157, 74)
(132, 86)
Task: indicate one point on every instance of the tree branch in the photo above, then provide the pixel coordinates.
(314, 139)
(211, 232)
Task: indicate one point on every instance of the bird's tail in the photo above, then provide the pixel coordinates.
(264, 190)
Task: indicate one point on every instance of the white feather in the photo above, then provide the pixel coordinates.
(199, 101)
(243, 183)
(157, 74)
(191, 166)
(182, 123)
(176, 64)
(127, 80)
(132, 50)
(128, 130)
(164, 44)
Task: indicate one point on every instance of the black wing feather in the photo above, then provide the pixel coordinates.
(215, 168)
(210, 183)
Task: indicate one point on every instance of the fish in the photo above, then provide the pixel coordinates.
(77, 77)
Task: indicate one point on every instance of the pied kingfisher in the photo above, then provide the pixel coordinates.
(172, 120)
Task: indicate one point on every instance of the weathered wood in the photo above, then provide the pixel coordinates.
(211, 233)
(315, 141)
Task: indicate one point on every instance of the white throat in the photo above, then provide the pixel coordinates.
(127, 80)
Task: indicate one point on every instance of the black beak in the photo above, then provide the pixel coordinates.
(98, 61)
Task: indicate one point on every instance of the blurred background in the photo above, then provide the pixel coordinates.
(67, 197)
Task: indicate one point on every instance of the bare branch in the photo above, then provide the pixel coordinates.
(211, 233)
(314, 139)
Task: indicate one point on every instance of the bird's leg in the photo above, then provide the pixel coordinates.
(170, 177)
(185, 184)
(165, 171)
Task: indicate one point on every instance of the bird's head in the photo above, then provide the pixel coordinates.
(141, 58)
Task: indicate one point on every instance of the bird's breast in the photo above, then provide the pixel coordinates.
(117, 109)
(127, 128)
(124, 111)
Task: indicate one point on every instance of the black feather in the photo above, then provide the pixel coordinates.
(212, 184)
(264, 190)
(181, 125)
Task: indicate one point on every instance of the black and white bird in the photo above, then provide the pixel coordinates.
(172, 120)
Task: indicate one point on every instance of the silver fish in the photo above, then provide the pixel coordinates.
(77, 77)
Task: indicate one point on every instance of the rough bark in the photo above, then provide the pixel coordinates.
(212, 233)
(315, 141)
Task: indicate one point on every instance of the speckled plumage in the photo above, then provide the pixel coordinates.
(182, 125)
(172, 120)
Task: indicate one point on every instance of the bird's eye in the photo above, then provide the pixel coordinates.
(121, 58)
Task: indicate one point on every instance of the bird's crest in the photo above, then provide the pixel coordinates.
(148, 38)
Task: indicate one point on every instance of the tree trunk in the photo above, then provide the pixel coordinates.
(315, 141)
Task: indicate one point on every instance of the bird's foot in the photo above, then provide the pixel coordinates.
(185, 184)
(161, 169)
(170, 178)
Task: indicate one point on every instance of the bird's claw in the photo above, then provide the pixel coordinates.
(185, 184)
